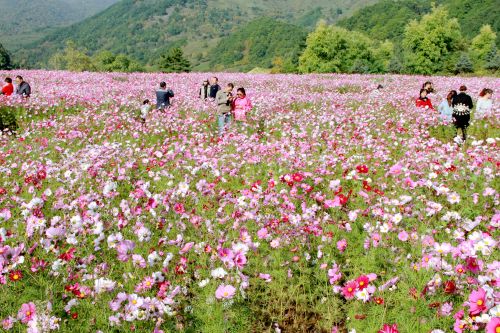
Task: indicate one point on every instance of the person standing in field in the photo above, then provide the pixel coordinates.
(163, 96)
(23, 88)
(8, 88)
(224, 99)
(445, 109)
(241, 105)
(423, 101)
(204, 92)
(462, 106)
(146, 106)
(484, 103)
(214, 87)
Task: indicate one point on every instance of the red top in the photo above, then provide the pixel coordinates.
(8, 89)
(424, 103)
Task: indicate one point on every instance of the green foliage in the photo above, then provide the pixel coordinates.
(332, 49)
(386, 19)
(429, 43)
(72, 59)
(76, 60)
(174, 62)
(259, 44)
(492, 60)
(464, 65)
(482, 44)
(8, 119)
(4, 58)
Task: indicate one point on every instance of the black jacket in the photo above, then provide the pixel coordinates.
(462, 104)
(24, 89)
(213, 90)
(163, 98)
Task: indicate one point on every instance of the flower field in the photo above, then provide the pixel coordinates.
(332, 210)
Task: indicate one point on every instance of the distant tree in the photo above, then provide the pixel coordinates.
(464, 65)
(492, 60)
(482, 44)
(330, 49)
(5, 62)
(174, 62)
(72, 59)
(429, 43)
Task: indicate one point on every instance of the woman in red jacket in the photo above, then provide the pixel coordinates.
(8, 88)
(423, 101)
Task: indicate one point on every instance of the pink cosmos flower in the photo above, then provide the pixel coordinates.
(363, 282)
(493, 326)
(27, 312)
(179, 208)
(342, 245)
(349, 289)
(225, 292)
(403, 236)
(389, 329)
(477, 302)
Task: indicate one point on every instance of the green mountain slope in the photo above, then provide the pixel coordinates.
(146, 28)
(258, 44)
(22, 21)
(387, 19)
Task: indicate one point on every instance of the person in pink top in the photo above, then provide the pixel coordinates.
(241, 105)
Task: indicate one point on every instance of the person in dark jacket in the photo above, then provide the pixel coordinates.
(163, 96)
(204, 92)
(23, 88)
(462, 106)
(214, 87)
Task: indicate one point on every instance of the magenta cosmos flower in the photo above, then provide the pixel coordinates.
(225, 292)
(27, 312)
(389, 329)
(477, 302)
(493, 326)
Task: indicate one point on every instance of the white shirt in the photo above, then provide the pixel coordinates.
(145, 110)
(483, 107)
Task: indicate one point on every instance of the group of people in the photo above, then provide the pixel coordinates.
(228, 104)
(457, 106)
(22, 87)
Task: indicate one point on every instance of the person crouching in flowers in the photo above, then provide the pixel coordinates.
(241, 105)
(445, 109)
(423, 101)
(462, 105)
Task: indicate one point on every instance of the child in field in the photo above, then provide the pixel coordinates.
(145, 108)
(241, 105)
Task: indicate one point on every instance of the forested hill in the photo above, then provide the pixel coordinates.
(387, 19)
(146, 28)
(24, 20)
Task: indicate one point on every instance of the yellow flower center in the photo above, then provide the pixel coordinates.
(480, 302)
(226, 294)
(28, 313)
(361, 283)
(349, 289)
(15, 277)
(497, 329)
(148, 283)
(426, 259)
(134, 301)
(82, 295)
(460, 270)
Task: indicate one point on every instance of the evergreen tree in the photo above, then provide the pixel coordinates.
(492, 60)
(5, 62)
(174, 62)
(428, 44)
(464, 65)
